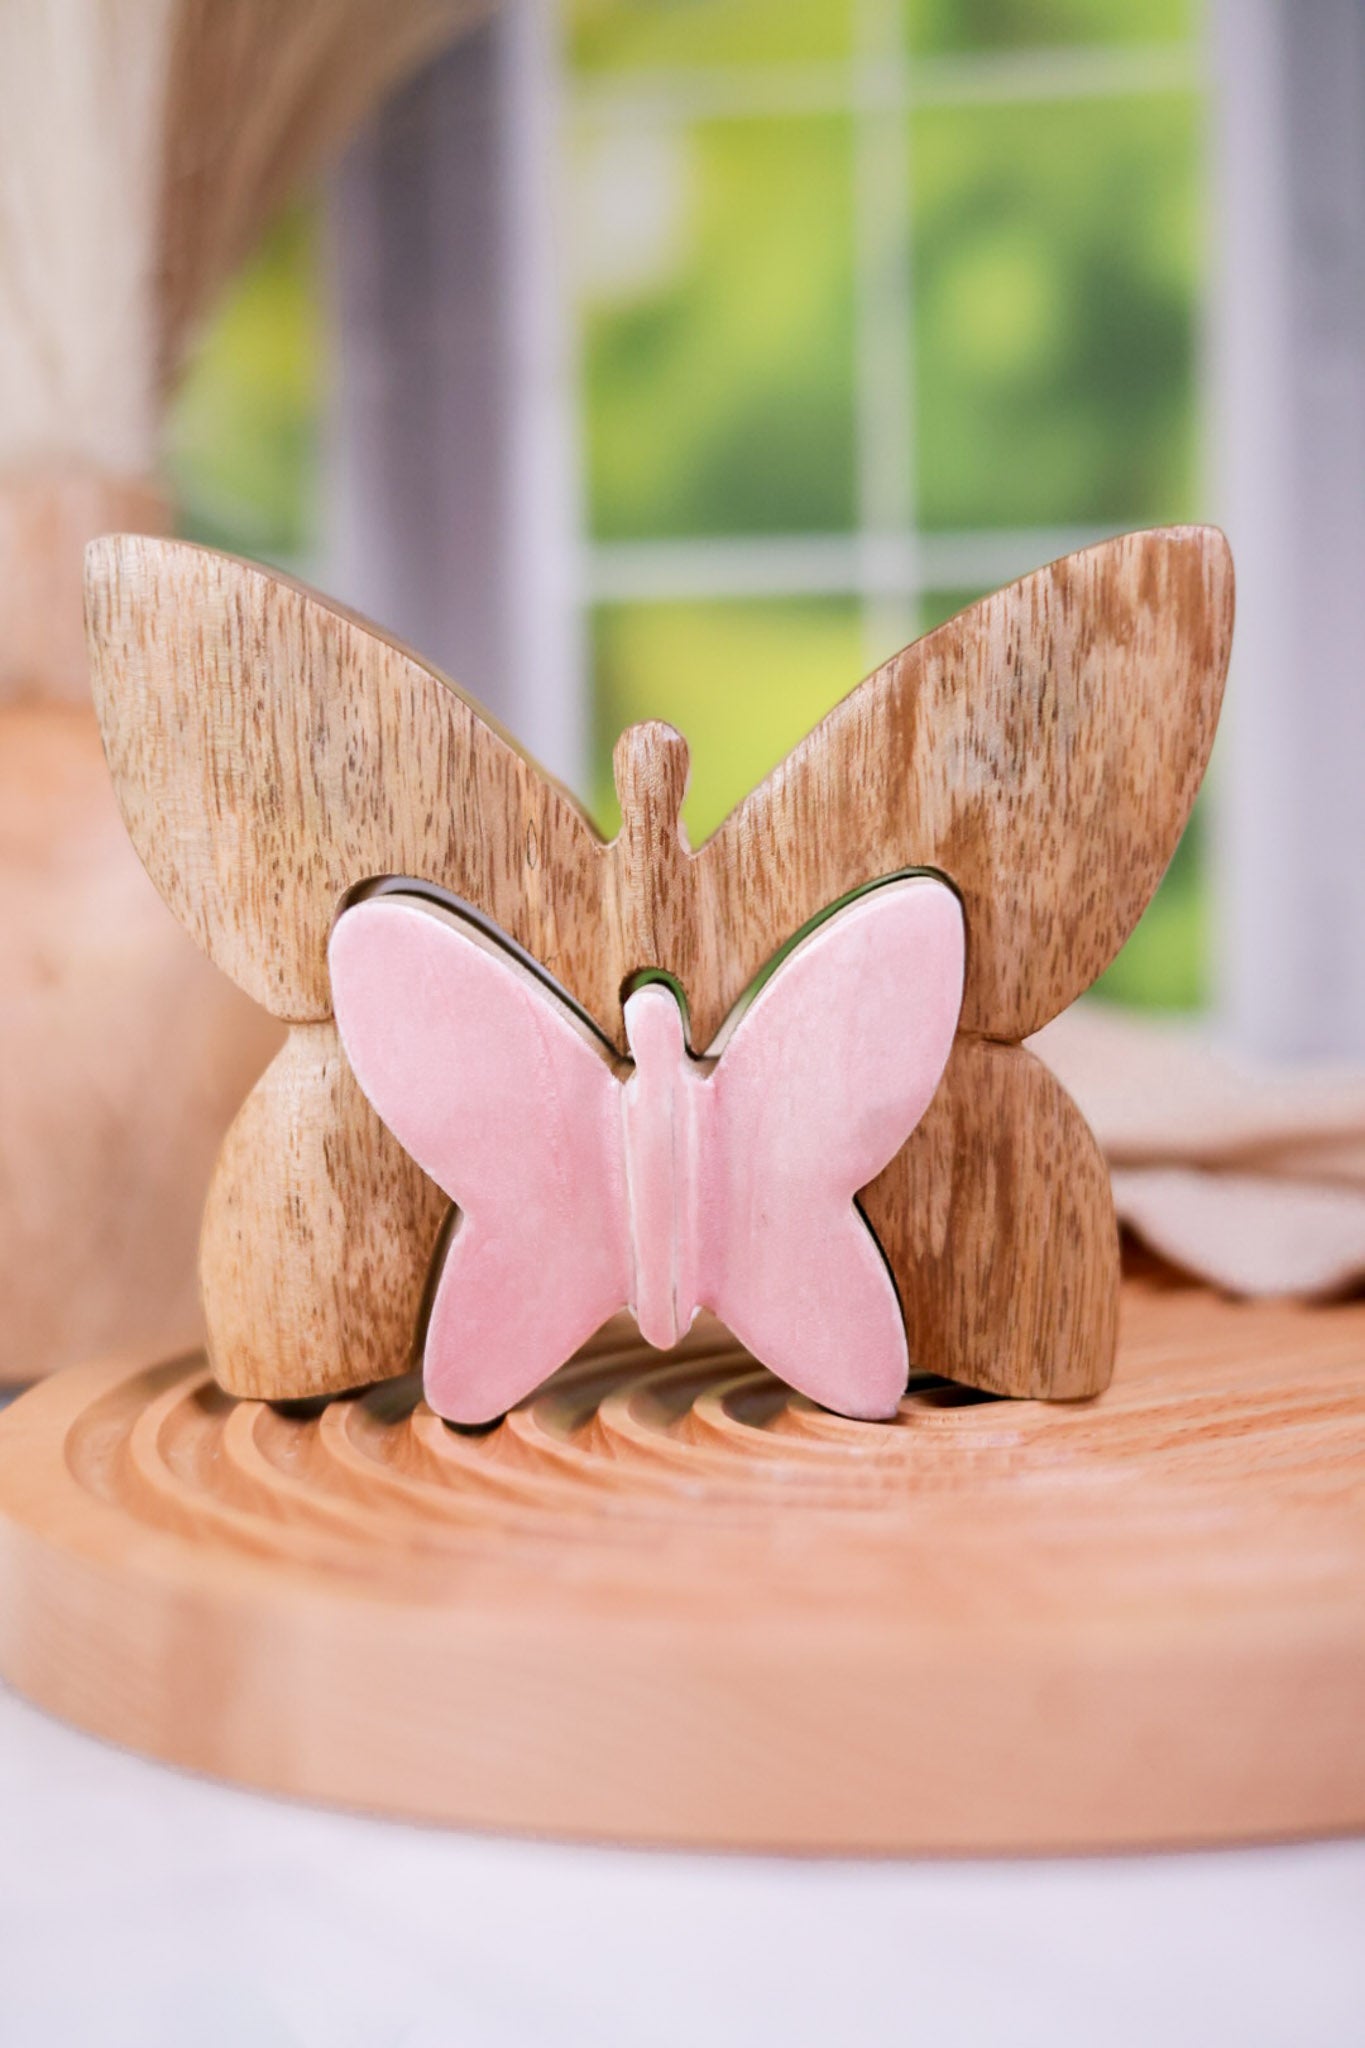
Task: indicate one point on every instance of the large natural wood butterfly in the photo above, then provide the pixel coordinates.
(1039, 753)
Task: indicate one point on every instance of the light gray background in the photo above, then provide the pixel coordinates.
(140, 1908)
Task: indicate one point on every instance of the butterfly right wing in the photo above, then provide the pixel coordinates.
(501, 1095)
(1041, 750)
(819, 1085)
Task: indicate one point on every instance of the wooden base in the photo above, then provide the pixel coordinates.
(667, 1601)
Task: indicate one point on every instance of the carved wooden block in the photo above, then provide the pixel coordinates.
(1040, 753)
(666, 1601)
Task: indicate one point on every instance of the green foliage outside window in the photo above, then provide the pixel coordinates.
(937, 26)
(243, 453)
(1055, 258)
(1056, 267)
(718, 370)
(1055, 263)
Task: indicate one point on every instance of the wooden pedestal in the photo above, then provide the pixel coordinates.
(666, 1601)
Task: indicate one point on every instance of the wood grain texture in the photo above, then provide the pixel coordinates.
(999, 1220)
(665, 1601)
(306, 1288)
(271, 753)
(1041, 751)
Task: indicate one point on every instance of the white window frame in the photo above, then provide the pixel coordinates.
(487, 565)
(1287, 409)
(494, 556)
(887, 562)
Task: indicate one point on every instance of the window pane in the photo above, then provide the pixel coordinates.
(613, 34)
(714, 275)
(1056, 262)
(938, 26)
(243, 454)
(1165, 965)
(743, 681)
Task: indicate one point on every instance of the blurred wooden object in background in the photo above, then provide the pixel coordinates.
(123, 1055)
(1249, 1174)
(144, 145)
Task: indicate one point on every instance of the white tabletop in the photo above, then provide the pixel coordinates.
(141, 1908)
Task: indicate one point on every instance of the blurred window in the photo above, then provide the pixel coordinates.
(880, 304)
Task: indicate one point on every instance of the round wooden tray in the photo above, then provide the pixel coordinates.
(666, 1601)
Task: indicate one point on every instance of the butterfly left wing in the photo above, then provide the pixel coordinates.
(499, 1092)
(270, 751)
(819, 1085)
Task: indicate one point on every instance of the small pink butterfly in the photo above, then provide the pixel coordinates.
(665, 1183)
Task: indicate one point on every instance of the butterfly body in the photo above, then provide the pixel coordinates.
(667, 1116)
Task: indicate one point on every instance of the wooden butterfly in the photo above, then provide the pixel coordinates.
(1040, 752)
